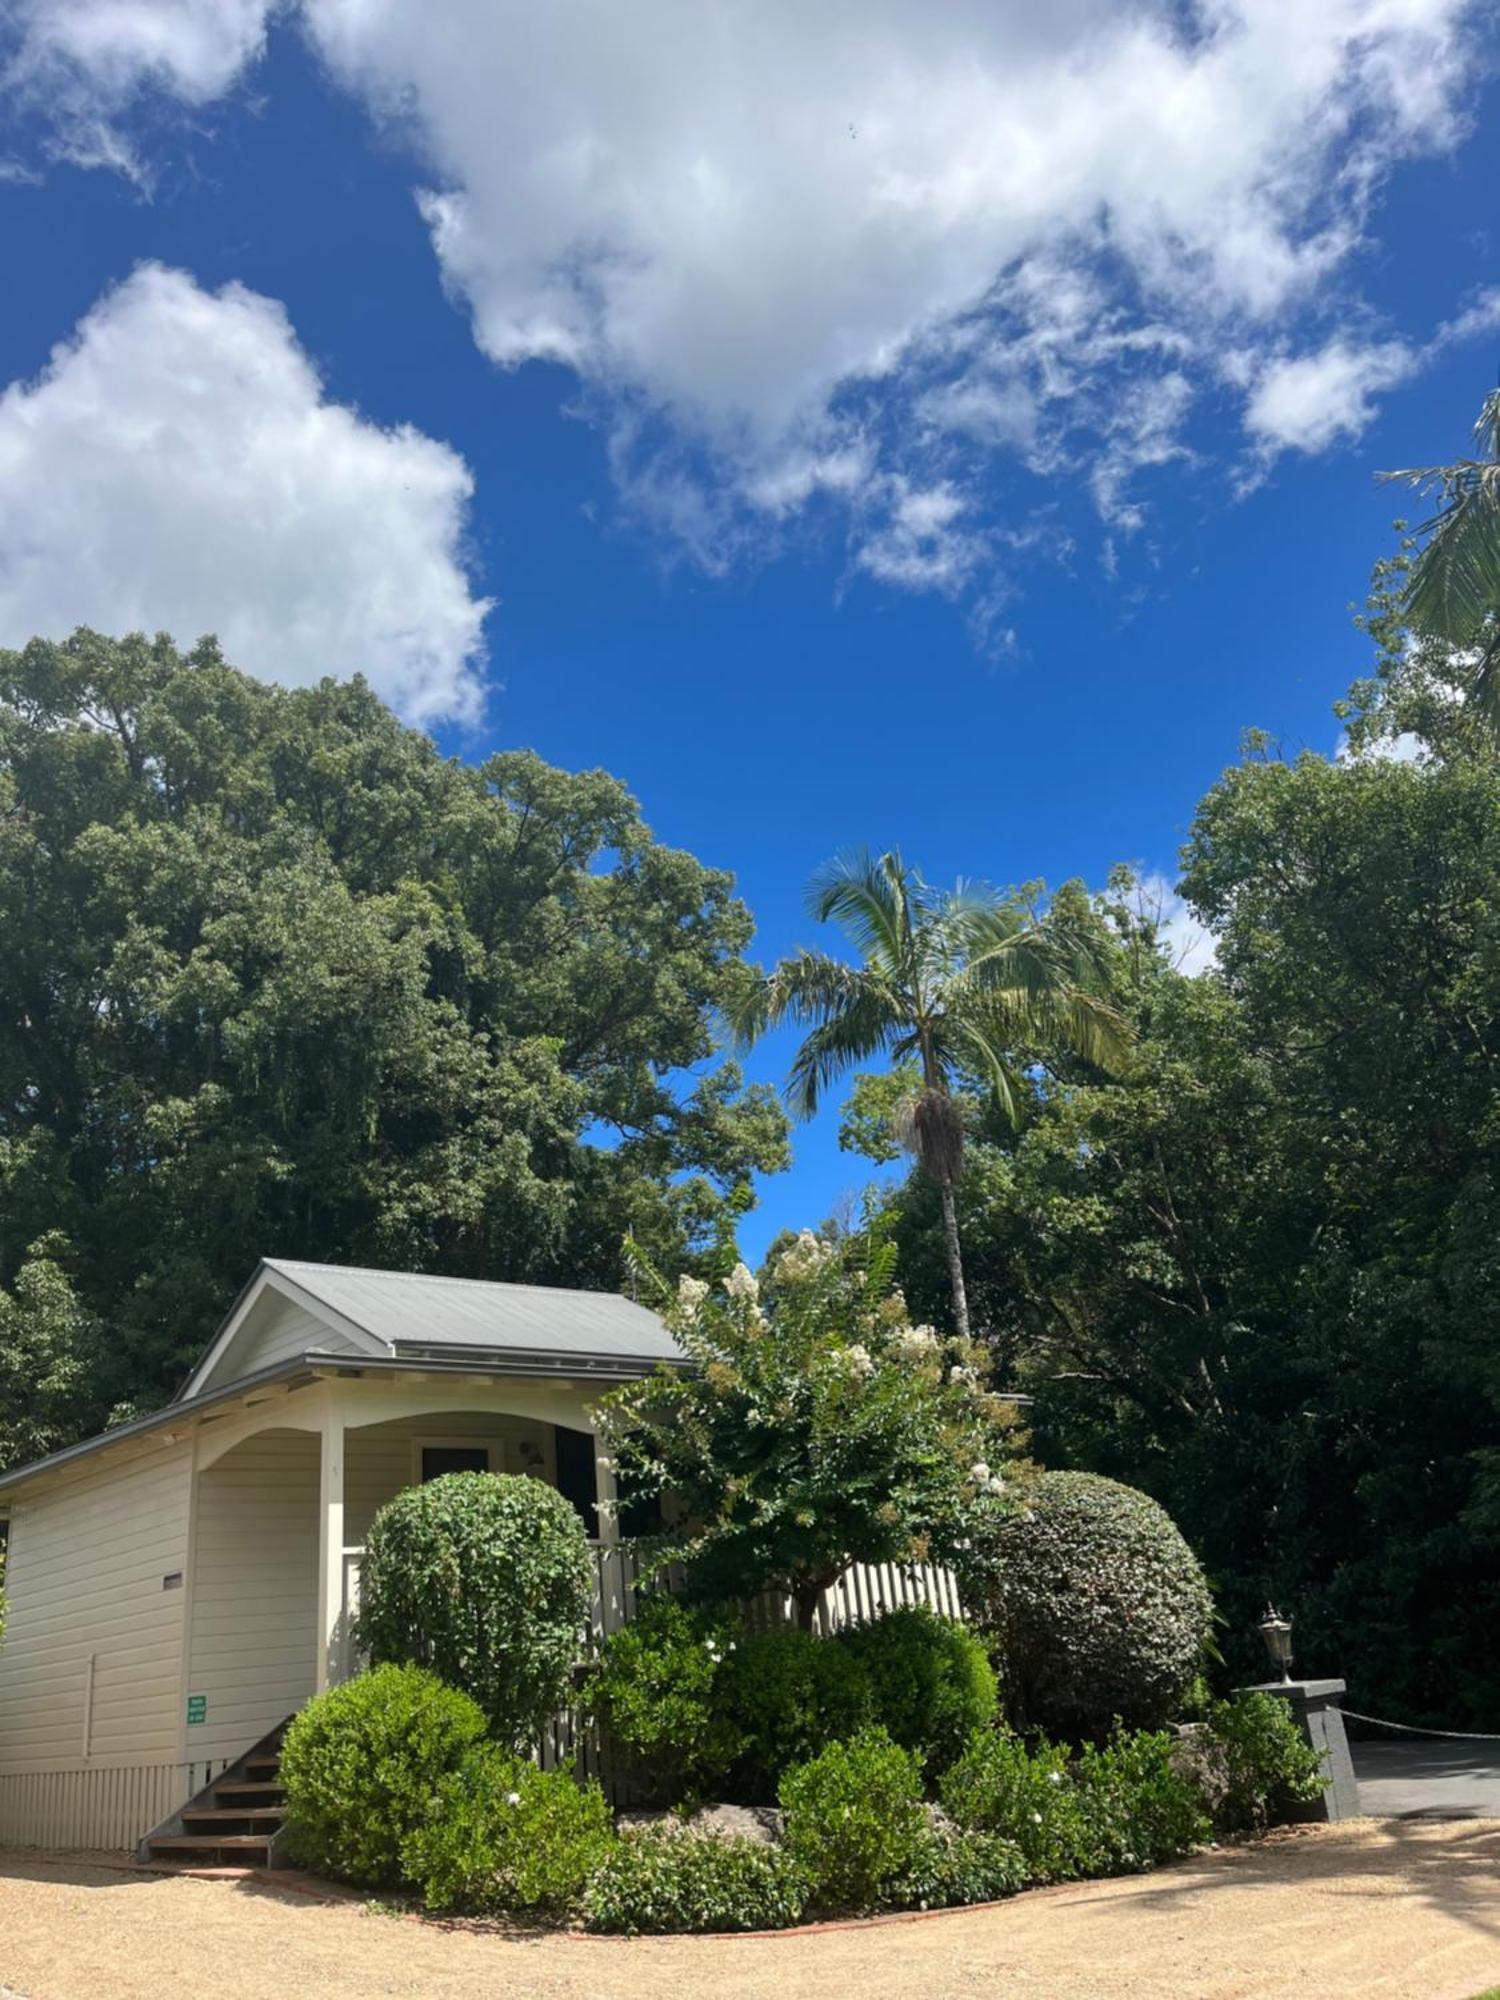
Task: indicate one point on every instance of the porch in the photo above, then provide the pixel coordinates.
(283, 1497)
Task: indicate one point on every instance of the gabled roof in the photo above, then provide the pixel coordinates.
(411, 1311)
(405, 1315)
(379, 1321)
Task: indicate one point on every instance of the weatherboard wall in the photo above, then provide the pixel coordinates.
(91, 1665)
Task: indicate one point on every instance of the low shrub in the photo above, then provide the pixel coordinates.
(656, 1691)
(950, 1867)
(486, 1579)
(1097, 1606)
(499, 1835)
(664, 1879)
(360, 1764)
(1136, 1807)
(785, 1695)
(931, 1682)
(1000, 1786)
(854, 1819)
(1254, 1762)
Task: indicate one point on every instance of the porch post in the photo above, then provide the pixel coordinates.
(332, 1646)
(604, 1486)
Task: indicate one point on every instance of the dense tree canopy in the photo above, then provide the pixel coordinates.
(279, 978)
(1258, 1274)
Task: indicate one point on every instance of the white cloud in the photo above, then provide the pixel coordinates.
(1308, 402)
(918, 241)
(926, 541)
(82, 62)
(1304, 403)
(177, 466)
(1190, 948)
(986, 227)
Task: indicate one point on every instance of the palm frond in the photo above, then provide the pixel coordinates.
(1454, 586)
(870, 900)
(837, 1045)
(1484, 686)
(1017, 1017)
(807, 988)
(984, 1055)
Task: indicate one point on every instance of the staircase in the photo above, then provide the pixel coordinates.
(233, 1823)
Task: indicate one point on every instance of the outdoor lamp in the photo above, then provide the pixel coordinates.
(1277, 1633)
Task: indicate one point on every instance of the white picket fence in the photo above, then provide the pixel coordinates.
(864, 1592)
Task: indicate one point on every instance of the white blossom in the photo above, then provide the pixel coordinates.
(691, 1292)
(804, 1259)
(979, 1472)
(959, 1374)
(741, 1283)
(914, 1343)
(859, 1361)
(512, 1798)
(995, 1484)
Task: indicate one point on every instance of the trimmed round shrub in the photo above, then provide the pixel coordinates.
(501, 1836)
(785, 1695)
(854, 1820)
(1097, 1605)
(360, 1765)
(930, 1678)
(950, 1868)
(664, 1879)
(486, 1580)
(656, 1692)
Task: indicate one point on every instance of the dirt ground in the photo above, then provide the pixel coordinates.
(1402, 1911)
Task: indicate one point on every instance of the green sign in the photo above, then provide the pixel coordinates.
(197, 1709)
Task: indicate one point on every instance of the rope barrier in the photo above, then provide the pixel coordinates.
(1411, 1729)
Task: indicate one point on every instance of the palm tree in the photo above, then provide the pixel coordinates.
(1453, 591)
(952, 980)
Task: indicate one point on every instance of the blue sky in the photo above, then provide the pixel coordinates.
(939, 428)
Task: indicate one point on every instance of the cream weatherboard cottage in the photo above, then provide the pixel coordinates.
(179, 1586)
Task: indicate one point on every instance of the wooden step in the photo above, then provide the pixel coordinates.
(246, 1847)
(212, 1816)
(262, 1794)
(266, 1769)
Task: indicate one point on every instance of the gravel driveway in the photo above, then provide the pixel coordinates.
(1385, 1912)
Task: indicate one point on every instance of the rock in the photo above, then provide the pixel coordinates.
(758, 1823)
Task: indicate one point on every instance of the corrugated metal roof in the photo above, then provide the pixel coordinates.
(413, 1311)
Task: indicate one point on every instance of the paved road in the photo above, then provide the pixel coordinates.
(1426, 1778)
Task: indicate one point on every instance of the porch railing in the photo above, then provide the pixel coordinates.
(862, 1593)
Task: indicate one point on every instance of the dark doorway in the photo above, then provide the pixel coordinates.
(440, 1458)
(577, 1479)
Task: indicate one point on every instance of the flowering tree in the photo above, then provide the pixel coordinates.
(814, 1428)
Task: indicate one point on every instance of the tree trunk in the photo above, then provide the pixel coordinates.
(955, 1260)
(805, 1597)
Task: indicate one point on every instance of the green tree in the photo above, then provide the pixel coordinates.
(953, 983)
(1453, 591)
(48, 1342)
(279, 978)
(1257, 1275)
(813, 1431)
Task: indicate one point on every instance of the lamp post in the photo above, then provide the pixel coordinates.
(1314, 1704)
(1277, 1633)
